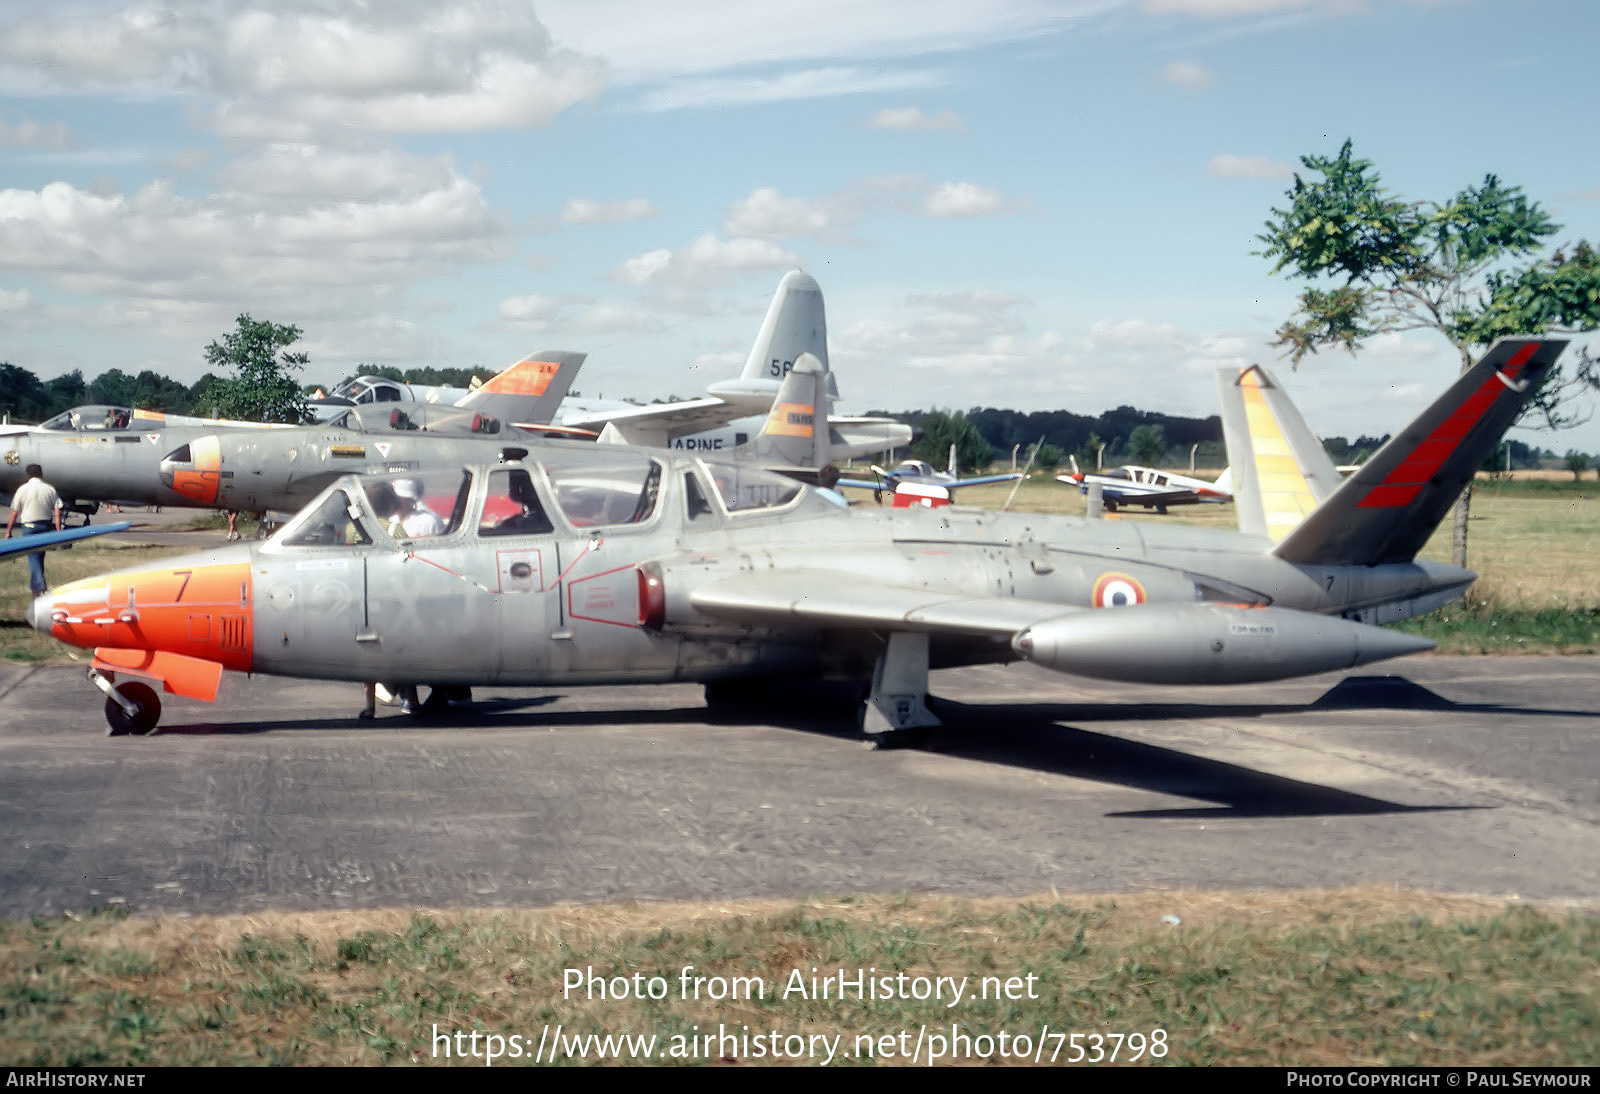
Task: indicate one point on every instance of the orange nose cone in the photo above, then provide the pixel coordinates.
(204, 479)
(203, 612)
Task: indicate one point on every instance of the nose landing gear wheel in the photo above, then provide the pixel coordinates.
(147, 711)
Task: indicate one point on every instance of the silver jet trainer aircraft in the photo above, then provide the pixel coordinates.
(243, 469)
(145, 462)
(602, 565)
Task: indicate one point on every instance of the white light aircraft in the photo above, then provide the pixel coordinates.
(916, 482)
(1151, 487)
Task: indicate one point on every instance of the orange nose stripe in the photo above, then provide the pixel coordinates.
(205, 612)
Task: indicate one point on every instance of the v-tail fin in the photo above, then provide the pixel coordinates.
(1278, 471)
(1386, 511)
(795, 436)
(530, 390)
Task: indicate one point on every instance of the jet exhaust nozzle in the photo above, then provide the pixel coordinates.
(1207, 644)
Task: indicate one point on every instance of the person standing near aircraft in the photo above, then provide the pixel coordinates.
(37, 505)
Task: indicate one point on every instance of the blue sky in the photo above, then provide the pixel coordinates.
(1012, 203)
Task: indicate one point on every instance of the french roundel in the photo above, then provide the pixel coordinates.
(1117, 591)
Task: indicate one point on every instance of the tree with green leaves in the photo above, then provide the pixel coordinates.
(22, 397)
(67, 390)
(262, 387)
(1044, 456)
(941, 430)
(1088, 455)
(1147, 444)
(1468, 268)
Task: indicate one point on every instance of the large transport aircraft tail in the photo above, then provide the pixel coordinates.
(795, 324)
(1386, 511)
(530, 390)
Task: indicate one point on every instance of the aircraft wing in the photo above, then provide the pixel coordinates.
(981, 479)
(24, 545)
(830, 599)
(886, 485)
(864, 484)
(658, 424)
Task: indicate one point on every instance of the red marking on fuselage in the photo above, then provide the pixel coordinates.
(611, 599)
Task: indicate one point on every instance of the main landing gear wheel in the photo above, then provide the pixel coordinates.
(147, 711)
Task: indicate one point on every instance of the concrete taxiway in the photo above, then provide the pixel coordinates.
(1468, 775)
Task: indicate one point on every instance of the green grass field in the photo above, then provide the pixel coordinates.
(1368, 977)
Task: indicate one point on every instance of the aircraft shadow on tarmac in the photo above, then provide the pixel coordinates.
(1040, 736)
(1350, 694)
(508, 713)
(486, 712)
(1035, 736)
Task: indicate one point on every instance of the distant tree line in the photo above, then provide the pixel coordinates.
(26, 398)
(984, 435)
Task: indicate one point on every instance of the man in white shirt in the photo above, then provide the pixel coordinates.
(412, 518)
(37, 507)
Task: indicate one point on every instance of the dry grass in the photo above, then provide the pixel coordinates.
(1533, 550)
(1366, 976)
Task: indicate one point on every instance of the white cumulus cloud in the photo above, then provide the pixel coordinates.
(305, 244)
(706, 261)
(910, 119)
(274, 71)
(532, 311)
(767, 214)
(1229, 166)
(964, 199)
(1187, 75)
(587, 211)
(575, 317)
(31, 134)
